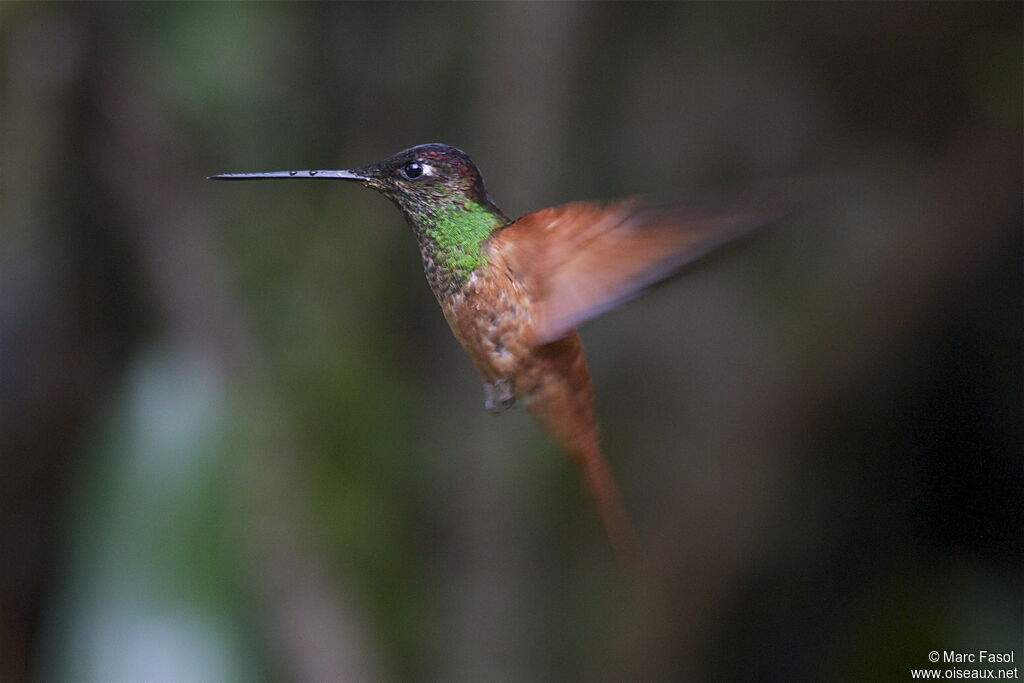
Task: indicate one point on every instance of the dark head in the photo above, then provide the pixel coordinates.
(418, 180)
(426, 174)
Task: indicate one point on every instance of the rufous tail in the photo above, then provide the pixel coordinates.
(564, 405)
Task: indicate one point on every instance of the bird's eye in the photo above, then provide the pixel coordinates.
(412, 170)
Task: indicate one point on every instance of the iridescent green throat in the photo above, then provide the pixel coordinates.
(451, 235)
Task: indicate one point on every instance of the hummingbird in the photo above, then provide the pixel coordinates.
(514, 291)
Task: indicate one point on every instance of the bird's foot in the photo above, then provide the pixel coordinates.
(498, 396)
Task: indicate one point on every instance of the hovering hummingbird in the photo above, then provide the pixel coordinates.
(514, 292)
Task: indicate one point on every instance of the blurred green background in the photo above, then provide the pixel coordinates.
(239, 442)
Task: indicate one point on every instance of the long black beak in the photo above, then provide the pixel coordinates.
(274, 175)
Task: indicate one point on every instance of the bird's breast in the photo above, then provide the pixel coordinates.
(491, 317)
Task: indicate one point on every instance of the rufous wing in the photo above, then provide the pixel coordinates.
(581, 259)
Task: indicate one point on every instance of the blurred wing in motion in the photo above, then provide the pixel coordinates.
(581, 259)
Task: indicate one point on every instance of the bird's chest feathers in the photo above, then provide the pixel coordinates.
(490, 316)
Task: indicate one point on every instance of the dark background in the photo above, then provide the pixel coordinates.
(239, 442)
